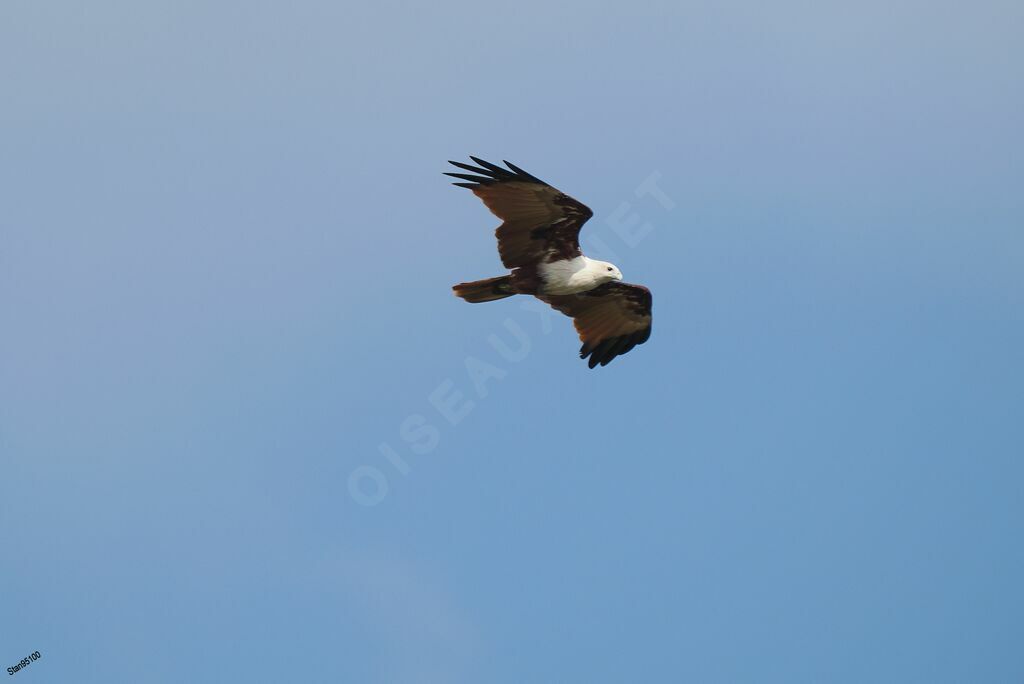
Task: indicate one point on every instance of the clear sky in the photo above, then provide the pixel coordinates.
(225, 258)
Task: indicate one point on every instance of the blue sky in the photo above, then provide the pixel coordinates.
(224, 283)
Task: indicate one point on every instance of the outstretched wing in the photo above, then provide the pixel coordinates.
(540, 223)
(611, 319)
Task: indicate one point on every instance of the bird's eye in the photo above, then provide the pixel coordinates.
(609, 268)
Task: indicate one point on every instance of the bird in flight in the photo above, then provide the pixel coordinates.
(538, 242)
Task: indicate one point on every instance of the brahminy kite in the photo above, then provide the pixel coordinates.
(539, 243)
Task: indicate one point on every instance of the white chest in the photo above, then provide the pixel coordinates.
(570, 276)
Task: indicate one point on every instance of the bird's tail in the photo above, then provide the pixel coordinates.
(485, 290)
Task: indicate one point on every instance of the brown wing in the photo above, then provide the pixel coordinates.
(540, 223)
(611, 319)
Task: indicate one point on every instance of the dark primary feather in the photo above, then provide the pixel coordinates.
(466, 176)
(488, 173)
(488, 165)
